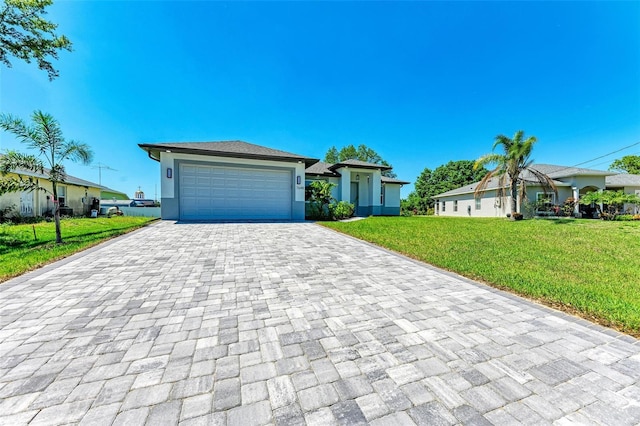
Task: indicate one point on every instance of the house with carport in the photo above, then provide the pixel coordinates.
(571, 183)
(236, 180)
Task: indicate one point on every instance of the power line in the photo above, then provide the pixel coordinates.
(597, 158)
(606, 155)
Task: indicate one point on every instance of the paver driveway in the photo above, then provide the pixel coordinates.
(245, 324)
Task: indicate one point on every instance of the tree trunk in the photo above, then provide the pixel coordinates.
(56, 216)
(514, 198)
(56, 213)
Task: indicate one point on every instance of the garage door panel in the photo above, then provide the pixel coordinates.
(216, 192)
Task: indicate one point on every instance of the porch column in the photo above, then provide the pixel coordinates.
(576, 196)
(601, 204)
(345, 183)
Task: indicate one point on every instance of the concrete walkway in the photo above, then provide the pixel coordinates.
(243, 324)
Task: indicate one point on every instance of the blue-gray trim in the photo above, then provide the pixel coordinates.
(390, 211)
(169, 208)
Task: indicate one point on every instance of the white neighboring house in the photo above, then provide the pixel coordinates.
(571, 182)
(235, 180)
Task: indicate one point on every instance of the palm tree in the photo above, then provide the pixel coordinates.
(45, 136)
(509, 168)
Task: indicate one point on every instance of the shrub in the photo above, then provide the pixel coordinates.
(341, 210)
(626, 217)
(518, 216)
(406, 212)
(320, 199)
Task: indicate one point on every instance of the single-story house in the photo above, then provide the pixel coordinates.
(571, 183)
(236, 180)
(362, 184)
(76, 196)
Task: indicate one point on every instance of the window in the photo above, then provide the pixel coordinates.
(455, 205)
(478, 203)
(382, 195)
(444, 205)
(62, 195)
(438, 206)
(545, 201)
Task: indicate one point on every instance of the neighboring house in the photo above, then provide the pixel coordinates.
(108, 194)
(629, 184)
(571, 182)
(361, 184)
(76, 197)
(235, 180)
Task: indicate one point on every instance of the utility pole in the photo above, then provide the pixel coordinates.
(101, 166)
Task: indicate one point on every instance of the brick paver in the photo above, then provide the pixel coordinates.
(241, 324)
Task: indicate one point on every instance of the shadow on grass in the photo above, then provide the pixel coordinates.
(11, 243)
(563, 221)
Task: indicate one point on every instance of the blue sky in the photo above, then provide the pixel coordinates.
(422, 83)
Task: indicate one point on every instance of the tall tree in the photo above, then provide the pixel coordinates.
(627, 164)
(44, 136)
(362, 153)
(444, 178)
(26, 35)
(509, 166)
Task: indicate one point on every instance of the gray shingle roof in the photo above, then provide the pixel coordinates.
(325, 169)
(622, 179)
(493, 183)
(385, 179)
(359, 164)
(321, 169)
(237, 149)
(554, 171)
(72, 180)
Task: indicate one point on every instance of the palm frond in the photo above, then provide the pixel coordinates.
(76, 151)
(545, 181)
(484, 182)
(486, 160)
(15, 162)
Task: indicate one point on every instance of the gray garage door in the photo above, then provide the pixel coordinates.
(216, 192)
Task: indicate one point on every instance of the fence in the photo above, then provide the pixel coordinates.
(141, 211)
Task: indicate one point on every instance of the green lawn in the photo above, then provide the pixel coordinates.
(21, 252)
(587, 267)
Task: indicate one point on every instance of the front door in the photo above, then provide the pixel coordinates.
(354, 199)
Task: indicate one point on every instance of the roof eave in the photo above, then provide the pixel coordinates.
(152, 149)
(371, 167)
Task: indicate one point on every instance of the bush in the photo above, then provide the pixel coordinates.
(518, 216)
(406, 212)
(626, 217)
(341, 210)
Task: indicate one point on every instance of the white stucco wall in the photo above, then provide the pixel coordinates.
(392, 195)
(490, 205)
